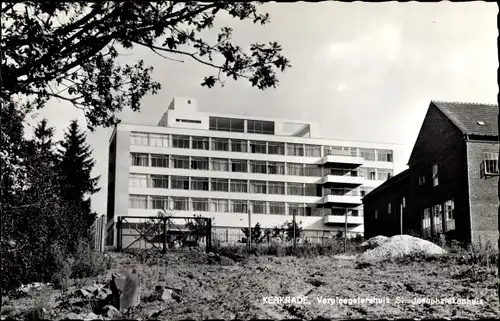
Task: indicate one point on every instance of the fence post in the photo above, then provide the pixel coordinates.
(209, 235)
(119, 234)
(164, 220)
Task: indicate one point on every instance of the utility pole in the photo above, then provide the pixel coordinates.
(294, 211)
(345, 233)
(401, 218)
(249, 230)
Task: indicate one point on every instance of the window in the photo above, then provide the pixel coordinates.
(239, 165)
(192, 121)
(426, 220)
(158, 140)
(276, 168)
(239, 206)
(310, 189)
(220, 185)
(220, 164)
(384, 155)
(180, 203)
(138, 180)
(384, 174)
(180, 161)
(299, 209)
(238, 145)
(199, 183)
(239, 186)
(200, 142)
(295, 169)
(219, 205)
(489, 165)
(336, 150)
(220, 144)
(295, 189)
(137, 159)
(294, 149)
(260, 127)
(200, 163)
(138, 201)
(159, 202)
(437, 215)
(276, 188)
(258, 147)
(277, 208)
(258, 187)
(179, 141)
(365, 190)
(389, 208)
(226, 124)
(258, 207)
(180, 182)
(421, 179)
(139, 139)
(200, 204)
(259, 167)
(367, 153)
(449, 209)
(158, 160)
(159, 181)
(313, 150)
(435, 177)
(276, 148)
(312, 170)
(342, 191)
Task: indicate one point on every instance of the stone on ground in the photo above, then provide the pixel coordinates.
(126, 291)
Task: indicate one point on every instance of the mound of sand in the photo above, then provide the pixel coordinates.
(402, 245)
(374, 242)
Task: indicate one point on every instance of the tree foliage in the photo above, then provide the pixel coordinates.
(258, 236)
(39, 217)
(70, 51)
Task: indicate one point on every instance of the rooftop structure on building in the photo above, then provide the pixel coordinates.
(225, 166)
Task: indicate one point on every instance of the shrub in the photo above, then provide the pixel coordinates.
(84, 263)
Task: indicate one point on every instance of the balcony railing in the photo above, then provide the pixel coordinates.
(341, 192)
(341, 172)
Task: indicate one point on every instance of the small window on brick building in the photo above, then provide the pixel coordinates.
(435, 175)
(449, 215)
(421, 179)
(489, 165)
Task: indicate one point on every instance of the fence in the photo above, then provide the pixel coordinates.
(98, 233)
(162, 233)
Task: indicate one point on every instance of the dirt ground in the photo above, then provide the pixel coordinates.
(243, 289)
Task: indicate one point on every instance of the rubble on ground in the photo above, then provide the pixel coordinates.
(374, 242)
(401, 245)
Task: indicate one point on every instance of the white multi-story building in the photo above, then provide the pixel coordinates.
(224, 166)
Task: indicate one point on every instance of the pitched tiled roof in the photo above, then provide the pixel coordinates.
(470, 117)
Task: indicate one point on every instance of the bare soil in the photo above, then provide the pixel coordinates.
(227, 289)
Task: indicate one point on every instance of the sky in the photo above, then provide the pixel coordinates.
(363, 71)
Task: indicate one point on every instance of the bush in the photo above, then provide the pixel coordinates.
(82, 264)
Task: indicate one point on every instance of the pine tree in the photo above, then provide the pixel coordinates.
(75, 169)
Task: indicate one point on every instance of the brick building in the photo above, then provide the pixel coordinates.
(451, 185)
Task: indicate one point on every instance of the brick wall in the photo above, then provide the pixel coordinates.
(441, 142)
(483, 194)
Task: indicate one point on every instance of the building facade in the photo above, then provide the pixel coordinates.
(451, 185)
(224, 166)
